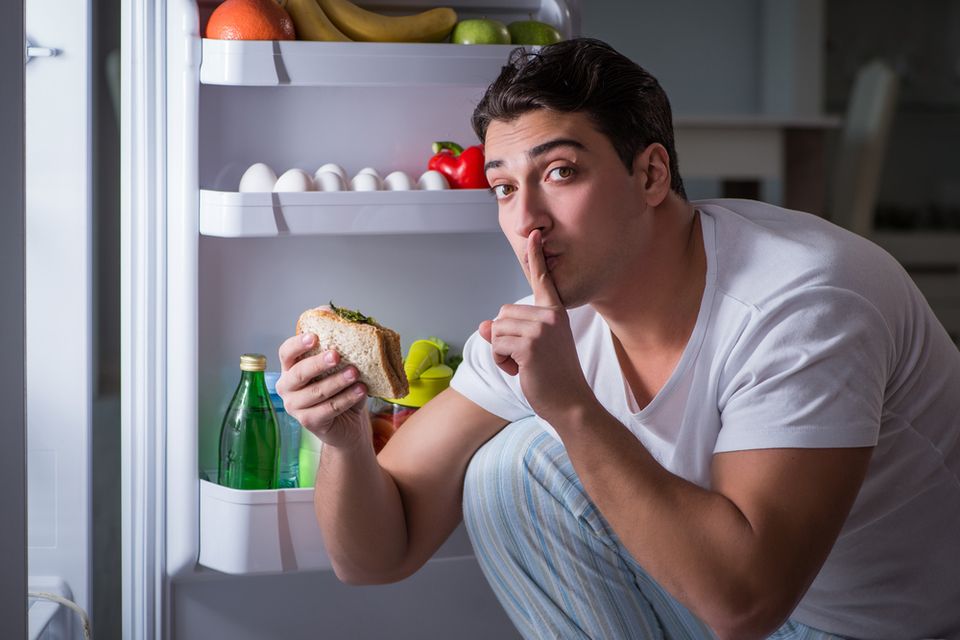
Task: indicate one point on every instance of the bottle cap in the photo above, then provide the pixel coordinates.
(253, 362)
(271, 377)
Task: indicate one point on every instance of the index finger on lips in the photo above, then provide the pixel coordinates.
(544, 291)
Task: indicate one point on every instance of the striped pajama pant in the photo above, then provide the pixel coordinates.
(552, 560)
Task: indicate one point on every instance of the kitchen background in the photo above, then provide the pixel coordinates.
(709, 57)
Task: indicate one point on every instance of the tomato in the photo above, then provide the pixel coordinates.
(379, 442)
(400, 416)
(386, 422)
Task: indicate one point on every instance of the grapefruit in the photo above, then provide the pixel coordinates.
(250, 20)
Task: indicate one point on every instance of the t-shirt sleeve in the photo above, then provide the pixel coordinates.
(479, 379)
(810, 372)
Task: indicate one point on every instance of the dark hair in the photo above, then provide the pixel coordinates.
(623, 100)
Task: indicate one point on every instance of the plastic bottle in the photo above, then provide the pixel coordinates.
(288, 463)
(249, 435)
(310, 448)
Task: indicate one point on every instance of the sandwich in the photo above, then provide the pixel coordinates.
(361, 341)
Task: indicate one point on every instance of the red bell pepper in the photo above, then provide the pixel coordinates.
(463, 168)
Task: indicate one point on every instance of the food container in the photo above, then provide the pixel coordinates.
(386, 417)
(427, 375)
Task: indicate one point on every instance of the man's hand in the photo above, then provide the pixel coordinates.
(535, 342)
(332, 407)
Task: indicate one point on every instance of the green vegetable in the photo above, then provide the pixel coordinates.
(454, 361)
(351, 315)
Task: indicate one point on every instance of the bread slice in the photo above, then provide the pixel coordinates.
(372, 348)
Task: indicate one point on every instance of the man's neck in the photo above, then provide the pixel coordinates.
(653, 311)
(655, 308)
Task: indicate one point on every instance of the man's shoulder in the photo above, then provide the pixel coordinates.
(764, 253)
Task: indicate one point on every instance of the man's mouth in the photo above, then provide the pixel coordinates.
(548, 257)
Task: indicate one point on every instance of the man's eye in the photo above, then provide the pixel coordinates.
(502, 190)
(561, 173)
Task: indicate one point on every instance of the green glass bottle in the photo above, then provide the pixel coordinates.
(249, 436)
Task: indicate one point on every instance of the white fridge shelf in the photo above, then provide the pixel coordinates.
(259, 531)
(273, 531)
(234, 215)
(349, 64)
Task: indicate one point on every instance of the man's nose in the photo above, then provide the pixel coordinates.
(533, 213)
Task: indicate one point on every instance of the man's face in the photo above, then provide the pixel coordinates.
(555, 172)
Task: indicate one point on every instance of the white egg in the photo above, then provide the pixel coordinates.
(329, 181)
(333, 168)
(365, 182)
(397, 181)
(294, 180)
(433, 181)
(369, 170)
(258, 177)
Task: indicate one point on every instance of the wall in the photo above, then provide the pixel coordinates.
(705, 54)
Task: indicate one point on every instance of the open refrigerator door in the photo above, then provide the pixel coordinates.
(57, 310)
(211, 272)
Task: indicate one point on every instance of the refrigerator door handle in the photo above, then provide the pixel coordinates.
(32, 51)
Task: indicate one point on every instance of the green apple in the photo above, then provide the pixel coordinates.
(533, 32)
(480, 31)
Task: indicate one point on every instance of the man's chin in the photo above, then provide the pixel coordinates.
(569, 299)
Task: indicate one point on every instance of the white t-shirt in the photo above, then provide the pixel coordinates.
(807, 336)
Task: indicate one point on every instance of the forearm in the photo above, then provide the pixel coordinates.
(360, 514)
(696, 543)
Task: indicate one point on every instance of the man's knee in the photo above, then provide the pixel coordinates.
(522, 474)
(497, 474)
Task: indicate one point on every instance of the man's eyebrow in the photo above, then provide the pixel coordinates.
(541, 149)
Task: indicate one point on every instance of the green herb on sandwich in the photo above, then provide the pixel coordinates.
(352, 316)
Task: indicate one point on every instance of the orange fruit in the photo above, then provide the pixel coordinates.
(250, 20)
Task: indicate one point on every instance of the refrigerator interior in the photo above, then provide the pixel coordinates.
(421, 283)
(240, 268)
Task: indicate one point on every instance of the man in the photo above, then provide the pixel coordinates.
(712, 418)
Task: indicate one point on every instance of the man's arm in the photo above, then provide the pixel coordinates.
(383, 517)
(741, 555)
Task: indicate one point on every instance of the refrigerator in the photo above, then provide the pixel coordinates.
(209, 273)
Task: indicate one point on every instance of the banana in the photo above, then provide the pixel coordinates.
(432, 25)
(312, 23)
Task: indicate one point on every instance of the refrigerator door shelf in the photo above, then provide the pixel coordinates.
(386, 64)
(349, 64)
(259, 531)
(233, 215)
(247, 532)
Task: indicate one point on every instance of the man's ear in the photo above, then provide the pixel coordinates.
(652, 168)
